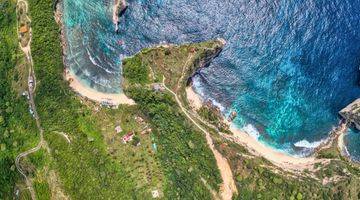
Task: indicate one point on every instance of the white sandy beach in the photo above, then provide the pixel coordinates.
(194, 99)
(80, 88)
(280, 159)
(341, 145)
(83, 90)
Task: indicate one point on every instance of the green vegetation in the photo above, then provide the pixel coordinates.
(84, 167)
(17, 128)
(96, 164)
(184, 164)
(256, 179)
(137, 73)
(175, 63)
(42, 190)
(208, 115)
(213, 115)
(139, 162)
(329, 153)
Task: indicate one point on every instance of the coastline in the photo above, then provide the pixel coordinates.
(280, 159)
(115, 14)
(257, 148)
(195, 101)
(100, 97)
(342, 146)
(76, 85)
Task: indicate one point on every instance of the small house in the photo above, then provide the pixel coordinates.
(158, 87)
(128, 137)
(118, 129)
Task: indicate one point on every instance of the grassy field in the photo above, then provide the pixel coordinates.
(139, 162)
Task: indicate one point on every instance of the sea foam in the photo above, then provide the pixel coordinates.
(251, 130)
(307, 144)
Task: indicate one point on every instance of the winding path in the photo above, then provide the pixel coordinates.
(228, 186)
(31, 90)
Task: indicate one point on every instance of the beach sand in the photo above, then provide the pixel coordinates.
(194, 99)
(255, 147)
(341, 145)
(279, 159)
(113, 99)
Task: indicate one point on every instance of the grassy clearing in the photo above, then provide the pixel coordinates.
(139, 162)
(21, 73)
(42, 190)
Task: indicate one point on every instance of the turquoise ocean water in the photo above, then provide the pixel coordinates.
(287, 69)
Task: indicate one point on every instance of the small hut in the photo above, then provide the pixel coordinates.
(118, 129)
(24, 29)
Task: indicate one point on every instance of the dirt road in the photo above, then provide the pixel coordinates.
(31, 89)
(228, 187)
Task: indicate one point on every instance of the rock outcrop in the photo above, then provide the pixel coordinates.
(352, 113)
(120, 6)
(205, 59)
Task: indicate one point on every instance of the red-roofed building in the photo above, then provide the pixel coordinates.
(128, 137)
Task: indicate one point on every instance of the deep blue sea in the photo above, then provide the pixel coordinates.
(287, 69)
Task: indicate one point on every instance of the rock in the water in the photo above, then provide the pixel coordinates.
(352, 113)
(119, 10)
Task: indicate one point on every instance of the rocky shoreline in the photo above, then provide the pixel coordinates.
(351, 113)
(205, 60)
(280, 159)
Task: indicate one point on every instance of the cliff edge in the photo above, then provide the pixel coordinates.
(352, 113)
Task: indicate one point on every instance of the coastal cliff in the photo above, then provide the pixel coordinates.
(352, 113)
(205, 59)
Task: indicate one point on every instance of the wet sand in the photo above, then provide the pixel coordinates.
(83, 90)
(280, 159)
